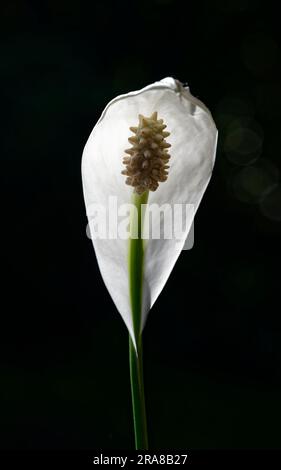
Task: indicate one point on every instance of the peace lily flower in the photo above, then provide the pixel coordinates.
(172, 143)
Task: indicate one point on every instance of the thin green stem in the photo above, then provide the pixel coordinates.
(138, 399)
(136, 262)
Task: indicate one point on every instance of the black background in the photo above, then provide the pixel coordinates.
(212, 342)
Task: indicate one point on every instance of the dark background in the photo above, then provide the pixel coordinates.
(213, 339)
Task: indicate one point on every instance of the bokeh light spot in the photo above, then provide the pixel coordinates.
(243, 141)
(253, 183)
(230, 108)
(243, 146)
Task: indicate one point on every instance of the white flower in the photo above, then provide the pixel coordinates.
(193, 138)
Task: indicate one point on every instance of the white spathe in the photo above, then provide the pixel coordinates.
(193, 141)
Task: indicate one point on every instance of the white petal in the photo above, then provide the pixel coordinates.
(193, 138)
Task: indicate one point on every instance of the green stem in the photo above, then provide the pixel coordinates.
(136, 262)
(138, 400)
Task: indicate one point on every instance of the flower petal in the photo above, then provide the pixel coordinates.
(193, 137)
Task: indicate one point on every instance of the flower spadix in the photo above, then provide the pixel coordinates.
(169, 162)
(147, 164)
